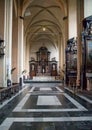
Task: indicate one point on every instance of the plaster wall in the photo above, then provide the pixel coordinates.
(72, 19)
(87, 8)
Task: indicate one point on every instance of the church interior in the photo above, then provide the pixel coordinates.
(45, 64)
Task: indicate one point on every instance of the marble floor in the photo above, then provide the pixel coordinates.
(46, 106)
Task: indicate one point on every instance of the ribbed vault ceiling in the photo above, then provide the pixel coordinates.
(48, 14)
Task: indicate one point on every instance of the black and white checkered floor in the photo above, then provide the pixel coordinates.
(45, 106)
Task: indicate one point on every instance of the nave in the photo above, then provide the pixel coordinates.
(46, 106)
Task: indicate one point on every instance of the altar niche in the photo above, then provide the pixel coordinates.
(86, 68)
(71, 62)
(42, 66)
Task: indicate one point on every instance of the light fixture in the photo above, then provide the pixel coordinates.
(44, 29)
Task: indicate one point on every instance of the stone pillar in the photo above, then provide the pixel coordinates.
(62, 57)
(59, 50)
(20, 45)
(2, 77)
(27, 57)
(78, 62)
(15, 49)
(8, 40)
(80, 15)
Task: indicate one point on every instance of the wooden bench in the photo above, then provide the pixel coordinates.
(7, 92)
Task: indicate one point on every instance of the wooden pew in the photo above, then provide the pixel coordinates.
(8, 92)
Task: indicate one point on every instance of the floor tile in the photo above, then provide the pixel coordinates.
(46, 106)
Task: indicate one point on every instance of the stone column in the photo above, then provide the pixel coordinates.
(59, 49)
(27, 56)
(20, 47)
(8, 40)
(80, 16)
(78, 62)
(2, 77)
(20, 44)
(62, 57)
